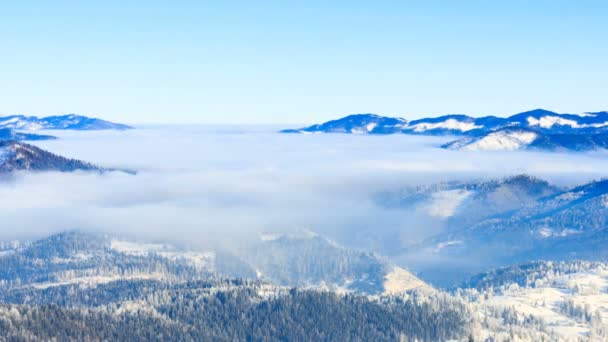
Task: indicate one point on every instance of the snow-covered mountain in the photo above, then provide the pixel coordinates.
(69, 121)
(565, 299)
(462, 203)
(566, 225)
(89, 259)
(86, 286)
(516, 138)
(454, 124)
(135, 290)
(356, 124)
(17, 156)
(505, 139)
(302, 260)
(540, 120)
(308, 259)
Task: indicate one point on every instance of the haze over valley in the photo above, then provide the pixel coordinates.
(387, 216)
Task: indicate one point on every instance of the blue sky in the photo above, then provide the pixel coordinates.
(300, 62)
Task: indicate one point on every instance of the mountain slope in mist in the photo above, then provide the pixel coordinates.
(90, 259)
(289, 260)
(19, 156)
(308, 259)
(461, 203)
(566, 225)
(127, 289)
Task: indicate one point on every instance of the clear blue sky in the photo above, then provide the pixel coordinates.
(306, 61)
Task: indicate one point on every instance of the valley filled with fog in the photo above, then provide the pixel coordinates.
(240, 219)
(209, 185)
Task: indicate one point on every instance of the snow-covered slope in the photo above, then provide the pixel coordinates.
(303, 260)
(453, 124)
(567, 299)
(356, 124)
(514, 138)
(461, 203)
(507, 139)
(16, 156)
(565, 225)
(308, 259)
(70, 121)
(92, 259)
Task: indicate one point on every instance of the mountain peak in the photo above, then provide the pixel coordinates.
(537, 112)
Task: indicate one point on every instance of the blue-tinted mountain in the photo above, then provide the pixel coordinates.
(453, 124)
(356, 124)
(567, 225)
(19, 156)
(10, 134)
(462, 203)
(540, 120)
(60, 122)
(518, 138)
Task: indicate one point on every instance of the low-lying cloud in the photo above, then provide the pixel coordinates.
(207, 184)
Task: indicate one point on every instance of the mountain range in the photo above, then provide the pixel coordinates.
(536, 129)
(492, 223)
(541, 120)
(301, 260)
(308, 259)
(75, 284)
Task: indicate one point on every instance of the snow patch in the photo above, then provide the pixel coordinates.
(547, 232)
(452, 124)
(445, 244)
(550, 121)
(399, 280)
(443, 204)
(501, 141)
(585, 289)
(570, 196)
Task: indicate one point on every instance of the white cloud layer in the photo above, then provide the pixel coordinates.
(204, 184)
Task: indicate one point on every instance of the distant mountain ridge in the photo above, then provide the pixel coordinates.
(536, 129)
(356, 124)
(58, 122)
(541, 120)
